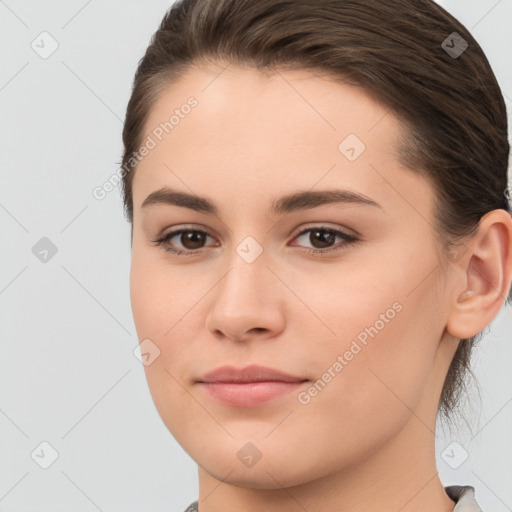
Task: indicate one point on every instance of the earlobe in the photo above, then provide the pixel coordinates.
(487, 274)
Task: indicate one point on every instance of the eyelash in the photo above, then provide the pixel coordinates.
(348, 240)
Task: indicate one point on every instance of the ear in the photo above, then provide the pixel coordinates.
(483, 277)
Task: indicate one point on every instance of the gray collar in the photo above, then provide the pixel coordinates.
(464, 496)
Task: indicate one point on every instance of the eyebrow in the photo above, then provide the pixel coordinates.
(302, 200)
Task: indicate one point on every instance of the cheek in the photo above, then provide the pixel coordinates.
(386, 342)
(163, 305)
(157, 310)
(157, 295)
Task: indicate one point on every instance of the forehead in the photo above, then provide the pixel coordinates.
(229, 98)
(257, 134)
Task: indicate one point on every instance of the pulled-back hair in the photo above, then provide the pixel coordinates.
(398, 52)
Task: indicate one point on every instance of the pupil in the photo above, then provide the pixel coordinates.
(192, 239)
(326, 237)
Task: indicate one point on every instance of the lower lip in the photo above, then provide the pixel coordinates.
(249, 394)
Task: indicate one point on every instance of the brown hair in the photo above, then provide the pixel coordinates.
(398, 51)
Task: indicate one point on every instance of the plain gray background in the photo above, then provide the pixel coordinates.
(68, 373)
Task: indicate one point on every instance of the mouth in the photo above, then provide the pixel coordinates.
(250, 386)
(248, 394)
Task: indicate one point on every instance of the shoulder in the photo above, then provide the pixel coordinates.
(464, 497)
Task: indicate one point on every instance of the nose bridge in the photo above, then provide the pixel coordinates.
(245, 298)
(247, 274)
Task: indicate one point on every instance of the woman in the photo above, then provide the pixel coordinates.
(320, 232)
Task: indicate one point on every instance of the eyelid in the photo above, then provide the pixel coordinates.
(180, 229)
(325, 225)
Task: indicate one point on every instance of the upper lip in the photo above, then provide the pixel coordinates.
(252, 373)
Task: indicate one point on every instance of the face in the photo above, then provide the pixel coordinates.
(343, 292)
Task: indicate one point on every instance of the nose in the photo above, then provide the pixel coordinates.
(247, 301)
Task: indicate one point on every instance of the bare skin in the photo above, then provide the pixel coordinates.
(365, 441)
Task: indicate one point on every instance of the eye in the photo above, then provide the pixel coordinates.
(192, 240)
(321, 236)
